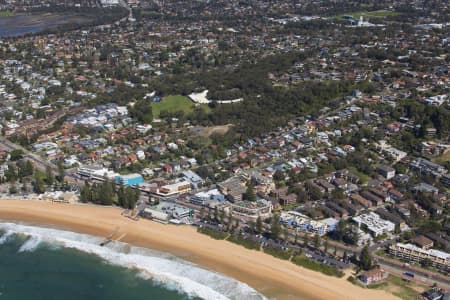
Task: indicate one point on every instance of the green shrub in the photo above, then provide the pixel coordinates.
(244, 242)
(380, 285)
(218, 235)
(315, 266)
(351, 279)
(278, 253)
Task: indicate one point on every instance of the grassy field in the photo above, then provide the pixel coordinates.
(375, 14)
(149, 13)
(176, 103)
(443, 158)
(396, 286)
(218, 235)
(278, 253)
(364, 178)
(249, 244)
(400, 288)
(316, 266)
(173, 104)
(6, 14)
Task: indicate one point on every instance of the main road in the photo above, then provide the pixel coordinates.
(40, 163)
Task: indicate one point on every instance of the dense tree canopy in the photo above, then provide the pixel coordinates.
(142, 111)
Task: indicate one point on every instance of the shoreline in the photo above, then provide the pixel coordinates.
(270, 276)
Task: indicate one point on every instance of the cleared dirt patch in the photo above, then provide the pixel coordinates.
(218, 129)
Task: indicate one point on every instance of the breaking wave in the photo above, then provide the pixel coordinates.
(5, 237)
(165, 269)
(30, 244)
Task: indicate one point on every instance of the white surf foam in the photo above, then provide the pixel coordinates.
(31, 244)
(5, 237)
(165, 269)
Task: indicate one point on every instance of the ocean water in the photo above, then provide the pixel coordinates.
(45, 263)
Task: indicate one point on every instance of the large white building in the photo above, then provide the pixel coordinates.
(374, 223)
(253, 209)
(165, 211)
(207, 198)
(106, 3)
(304, 223)
(97, 172)
(175, 188)
(438, 259)
(395, 153)
(436, 100)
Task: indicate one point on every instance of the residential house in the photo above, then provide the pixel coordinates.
(423, 242)
(373, 276)
(386, 171)
(284, 197)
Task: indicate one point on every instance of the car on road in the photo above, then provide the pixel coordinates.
(409, 274)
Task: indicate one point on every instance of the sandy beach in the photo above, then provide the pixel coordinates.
(272, 277)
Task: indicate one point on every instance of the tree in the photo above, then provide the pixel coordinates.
(61, 173)
(250, 194)
(130, 196)
(252, 226)
(222, 216)
(85, 193)
(202, 212)
(345, 256)
(24, 168)
(16, 154)
(351, 235)
(137, 194)
(142, 111)
(11, 173)
(121, 196)
(365, 259)
(13, 188)
(325, 246)
(106, 193)
(426, 263)
(29, 169)
(338, 194)
(278, 175)
(286, 234)
(24, 187)
(339, 233)
(259, 225)
(230, 217)
(305, 240)
(317, 241)
(216, 213)
(275, 227)
(49, 176)
(39, 186)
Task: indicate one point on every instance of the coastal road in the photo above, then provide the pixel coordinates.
(40, 162)
(420, 275)
(420, 279)
(396, 267)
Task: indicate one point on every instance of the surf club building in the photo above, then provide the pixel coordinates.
(101, 173)
(129, 179)
(174, 188)
(166, 212)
